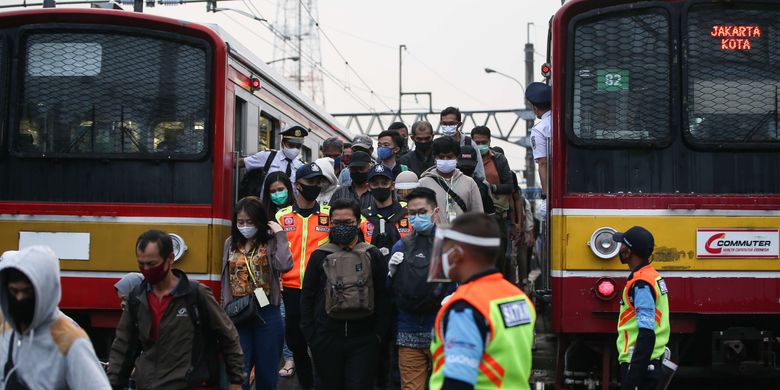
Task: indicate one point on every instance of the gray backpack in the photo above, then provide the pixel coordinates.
(349, 282)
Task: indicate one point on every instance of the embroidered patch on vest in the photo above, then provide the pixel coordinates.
(404, 223)
(324, 220)
(515, 313)
(662, 286)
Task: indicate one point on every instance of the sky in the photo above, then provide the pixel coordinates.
(449, 43)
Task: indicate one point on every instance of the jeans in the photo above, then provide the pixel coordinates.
(262, 346)
(288, 355)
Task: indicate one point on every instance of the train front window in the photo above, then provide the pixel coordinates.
(621, 79)
(733, 70)
(112, 95)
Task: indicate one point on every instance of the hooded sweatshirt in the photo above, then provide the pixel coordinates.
(54, 352)
(461, 184)
(331, 182)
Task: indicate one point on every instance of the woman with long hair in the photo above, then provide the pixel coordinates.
(277, 193)
(255, 255)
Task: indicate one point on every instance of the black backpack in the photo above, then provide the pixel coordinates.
(413, 292)
(204, 366)
(252, 181)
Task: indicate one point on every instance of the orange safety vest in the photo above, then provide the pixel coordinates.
(506, 360)
(305, 236)
(402, 225)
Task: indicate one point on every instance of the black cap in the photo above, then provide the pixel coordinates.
(538, 93)
(638, 239)
(308, 171)
(467, 156)
(294, 134)
(380, 170)
(359, 159)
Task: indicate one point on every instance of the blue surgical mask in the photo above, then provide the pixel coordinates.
(384, 153)
(421, 222)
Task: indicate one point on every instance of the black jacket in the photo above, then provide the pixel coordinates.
(314, 320)
(416, 163)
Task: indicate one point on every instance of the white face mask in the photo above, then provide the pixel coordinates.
(449, 130)
(291, 153)
(446, 166)
(248, 231)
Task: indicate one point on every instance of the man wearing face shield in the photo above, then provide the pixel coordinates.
(307, 224)
(484, 332)
(41, 348)
(287, 160)
(643, 324)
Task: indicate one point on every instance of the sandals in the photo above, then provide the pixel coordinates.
(288, 370)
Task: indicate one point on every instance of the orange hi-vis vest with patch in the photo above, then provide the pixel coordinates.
(305, 236)
(506, 359)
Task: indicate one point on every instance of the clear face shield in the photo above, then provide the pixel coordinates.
(445, 243)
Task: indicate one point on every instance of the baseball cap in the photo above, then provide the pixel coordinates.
(467, 156)
(638, 239)
(363, 141)
(359, 159)
(308, 171)
(380, 170)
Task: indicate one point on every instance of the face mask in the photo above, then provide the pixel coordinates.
(381, 194)
(343, 234)
(421, 222)
(384, 153)
(247, 231)
(423, 147)
(446, 166)
(155, 275)
(467, 171)
(449, 130)
(483, 149)
(445, 262)
(310, 193)
(359, 177)
(280, 198)
(405, 143)
(291, 153)
(22, 310)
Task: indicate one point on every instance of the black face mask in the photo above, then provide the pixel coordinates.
(381, 194)
(23, 310)
(423, 147)
(310, 193)
(467, 171)
(343, 234)
(359, 177)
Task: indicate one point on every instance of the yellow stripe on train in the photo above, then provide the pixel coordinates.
(675, 242)
(111, 244)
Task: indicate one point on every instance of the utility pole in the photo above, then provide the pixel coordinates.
(401, 49)
(530, 164)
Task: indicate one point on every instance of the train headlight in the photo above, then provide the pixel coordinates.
(179, 246)
(601, 243)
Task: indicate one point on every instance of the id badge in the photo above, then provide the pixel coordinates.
(262, 299)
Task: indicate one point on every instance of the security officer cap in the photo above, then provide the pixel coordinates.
(380, 170)
(538, 94)
(294, 135)
(308, 171)
(638, 239)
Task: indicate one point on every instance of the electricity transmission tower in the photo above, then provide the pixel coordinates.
(300, 38)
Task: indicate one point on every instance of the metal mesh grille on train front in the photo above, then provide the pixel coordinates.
(113, 94)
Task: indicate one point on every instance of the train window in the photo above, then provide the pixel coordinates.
(733, 75)
(621, 79)
(110, 95)
(267, 127)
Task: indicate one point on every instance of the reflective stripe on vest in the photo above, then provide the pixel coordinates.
(506, 360)
(627, 327)
(305, 236)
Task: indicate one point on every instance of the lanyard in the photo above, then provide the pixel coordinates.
(251, 272)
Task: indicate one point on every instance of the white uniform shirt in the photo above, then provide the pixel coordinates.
(541, 134)
(258, 160)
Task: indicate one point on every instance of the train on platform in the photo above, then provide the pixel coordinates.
(116, 122)
(665, 115)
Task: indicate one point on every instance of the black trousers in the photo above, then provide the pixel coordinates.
(344, 363)
(648, 382)
(294, 337)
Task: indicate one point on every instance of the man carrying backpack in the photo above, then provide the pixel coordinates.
(417, 300)
(344, 308)
(173, 330)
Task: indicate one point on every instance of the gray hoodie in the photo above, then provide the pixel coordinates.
(54, 352)
(462, 185)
